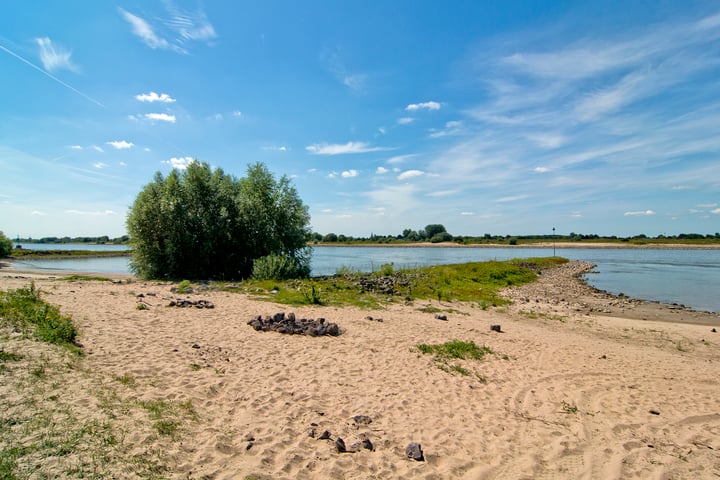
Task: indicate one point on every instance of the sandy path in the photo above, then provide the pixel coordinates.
(567, 394)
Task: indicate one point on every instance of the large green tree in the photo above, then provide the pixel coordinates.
(200, 223)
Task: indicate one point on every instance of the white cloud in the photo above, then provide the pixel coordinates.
(716, 211)
(467, 214)
(120, 144)
(236, 114)
(163, 117)
(54, 57)
(154, 97)
(99, 165)
(410, 174)
(350, 173)
(381, 170)
(273, 148)
(340, 149)
(76, 147)
(646, 213)
(181, 163)
(405, 120)
(541, 169)
(382, 130)
(423, 106)
(682, 187)
(97, 149)
(38, 213)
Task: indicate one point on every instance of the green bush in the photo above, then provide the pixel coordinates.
(280, 267)
(441, 237)
(204, 224)
(5, 246)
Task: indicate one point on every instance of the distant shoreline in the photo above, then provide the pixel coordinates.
(557, 246)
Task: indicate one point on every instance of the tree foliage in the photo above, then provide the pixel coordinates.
(5, 246)
(200, 223)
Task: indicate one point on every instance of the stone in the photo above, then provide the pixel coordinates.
(368, 445)
(414, 451)
(496, 328)
(362, 419)
(324, 435)
(340, 445)
(441, 316)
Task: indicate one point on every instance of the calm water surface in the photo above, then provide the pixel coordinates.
(690, 277)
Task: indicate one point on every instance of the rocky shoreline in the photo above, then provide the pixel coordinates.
(562, 290)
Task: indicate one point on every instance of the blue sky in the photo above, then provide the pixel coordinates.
(488, 117)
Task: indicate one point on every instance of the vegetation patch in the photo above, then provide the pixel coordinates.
(23, 309)
(446, 356)
(478, 282)
(86, 278)
(456, 349)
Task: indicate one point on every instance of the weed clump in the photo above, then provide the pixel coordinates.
(25, 310)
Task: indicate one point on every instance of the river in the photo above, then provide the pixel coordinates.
(685, 276)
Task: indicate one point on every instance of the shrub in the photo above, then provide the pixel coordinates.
(5, 246)
(279, 267)
(204, 224)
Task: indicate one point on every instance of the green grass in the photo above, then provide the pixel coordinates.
(444, 353)
(477, 282)
(569, 407)
(456, 349)
(25, 310)
(86, 278)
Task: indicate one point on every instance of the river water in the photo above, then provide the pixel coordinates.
(685, 276)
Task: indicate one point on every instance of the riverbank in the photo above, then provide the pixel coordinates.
(579, 385)
(546, 245)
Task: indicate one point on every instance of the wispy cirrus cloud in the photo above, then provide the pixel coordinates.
(175, 31)
(54, 57)
(154, 97)
(342, 148)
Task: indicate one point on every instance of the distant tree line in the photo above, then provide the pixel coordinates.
(102, 240)
(437, 233)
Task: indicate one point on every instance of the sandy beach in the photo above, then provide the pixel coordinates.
(580, 385)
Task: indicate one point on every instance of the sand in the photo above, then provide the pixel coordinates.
(580, 384)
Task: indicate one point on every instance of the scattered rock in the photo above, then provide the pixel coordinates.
(496, 328)
(441, 316)
(324, 435)
(714, 330)
(340, 445)
(654, 412)
(373, 319)
(195, 345)
(368, 445)
(187, 303)
(249, 445)
(311, 433)
(603, 357)
(414, 451)
(362, 419)
(289, 324)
